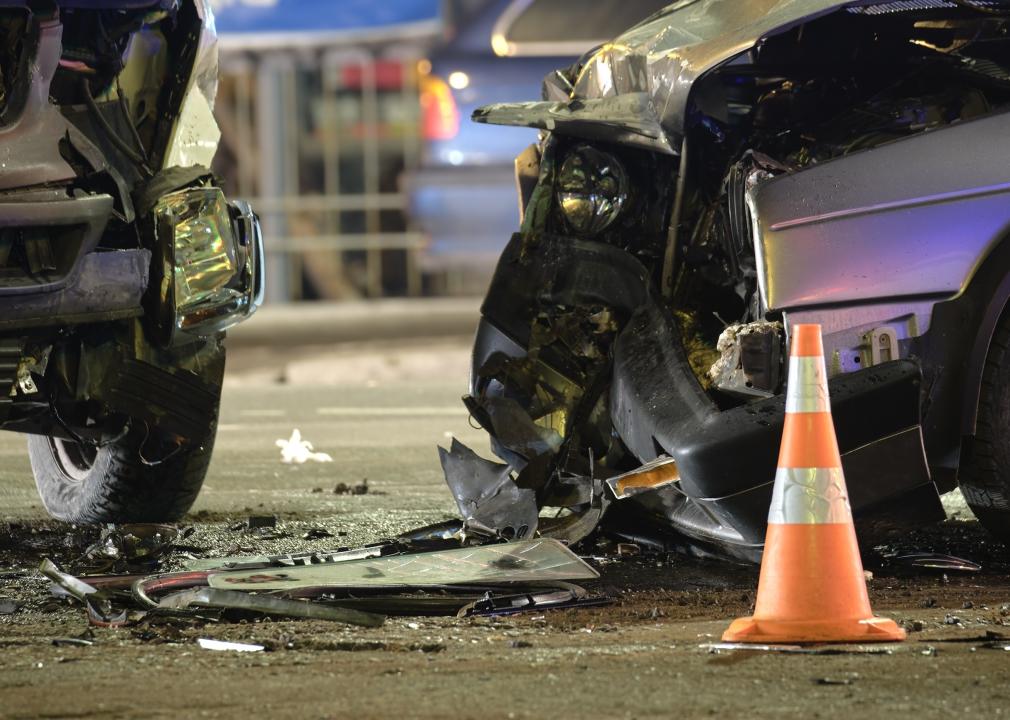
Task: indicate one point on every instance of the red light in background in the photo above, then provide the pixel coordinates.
(388, 75)
(439, 114)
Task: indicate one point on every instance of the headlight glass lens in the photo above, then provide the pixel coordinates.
(592, 187)
(205, 247)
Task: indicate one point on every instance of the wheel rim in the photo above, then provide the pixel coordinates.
(75, 460)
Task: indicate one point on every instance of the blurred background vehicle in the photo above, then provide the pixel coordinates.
(347, 125)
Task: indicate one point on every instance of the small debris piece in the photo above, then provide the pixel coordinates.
(489, 501)
(298, 451)
(834, 681)
(570, 596)
(261, 521)
(75, 642)
(950, 619)
(208, 644)
(129, 546)
(8, 606)
(268, 605)
(72, 586)
(317, 490)
(96, 602)
(628, 549)
(316, 534)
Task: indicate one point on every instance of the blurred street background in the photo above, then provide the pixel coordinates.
(346, 125)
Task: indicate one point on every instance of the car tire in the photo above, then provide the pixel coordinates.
(114, 483)
(984, 475)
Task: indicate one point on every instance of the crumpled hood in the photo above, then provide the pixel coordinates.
(658, 62)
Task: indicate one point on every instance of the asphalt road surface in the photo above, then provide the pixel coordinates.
(380, 412)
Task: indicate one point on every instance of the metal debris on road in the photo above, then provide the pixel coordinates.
(72, 586)
(298, 450)
(255, 522)
(8, 606)
(489, 501)
(522, 561)
(316, 534)
(205, 597)
(565, 596)
(72, 642)
(132, 546)
(208, 644)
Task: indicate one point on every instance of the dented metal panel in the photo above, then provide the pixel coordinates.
(662, 58)
(911, 218)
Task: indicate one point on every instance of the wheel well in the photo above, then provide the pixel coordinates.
(990, 291)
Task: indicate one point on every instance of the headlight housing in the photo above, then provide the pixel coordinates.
(211, 272)
(591, 190)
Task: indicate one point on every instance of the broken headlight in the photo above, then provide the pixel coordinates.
(592, 187)
(212, 262)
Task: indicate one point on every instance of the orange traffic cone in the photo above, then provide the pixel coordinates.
(812, 588)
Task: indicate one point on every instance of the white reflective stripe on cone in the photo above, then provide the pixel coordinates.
(808, 385)
(809, 496)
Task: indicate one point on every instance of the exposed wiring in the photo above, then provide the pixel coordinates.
(159, 461)
(80, 440)
(113, 136)
(129, 121)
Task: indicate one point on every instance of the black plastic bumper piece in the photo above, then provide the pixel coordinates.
(727, 459)
(107, 286)
(538, 271)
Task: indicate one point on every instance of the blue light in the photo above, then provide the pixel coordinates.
(292, 16)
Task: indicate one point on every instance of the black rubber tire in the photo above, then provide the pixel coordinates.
(984, 475)
(118, 486)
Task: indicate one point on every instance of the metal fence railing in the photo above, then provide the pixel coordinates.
(317, 141)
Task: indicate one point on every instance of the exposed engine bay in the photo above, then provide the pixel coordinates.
(652, 254)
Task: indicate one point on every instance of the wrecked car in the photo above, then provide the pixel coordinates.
(719, 172)
(122, 263)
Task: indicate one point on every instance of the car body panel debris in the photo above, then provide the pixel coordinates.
(567, 596)
(8, 606)
(206, 597)
(73, 586)
(522, 561)
(489, 501)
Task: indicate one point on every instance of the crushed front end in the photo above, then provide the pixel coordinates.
(711, 177)
(121, 260)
